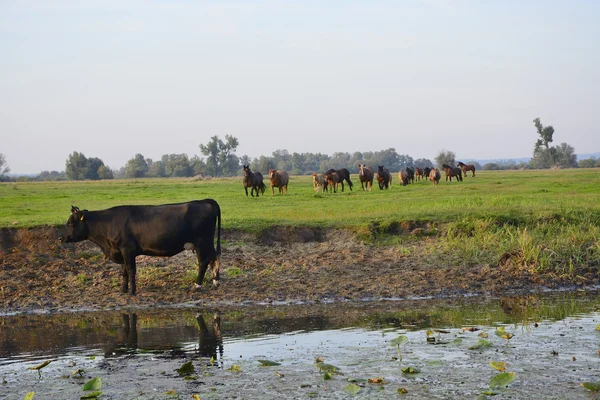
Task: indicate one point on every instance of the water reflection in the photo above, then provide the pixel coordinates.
(206, 333)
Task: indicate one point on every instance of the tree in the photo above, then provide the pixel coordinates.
(137, 167)
(76, 166)
(4, 169)
(565, 156)
(221, 158)
(423, 163)
(445, 157)
(177, 165)
(588, 163)
(104, 172)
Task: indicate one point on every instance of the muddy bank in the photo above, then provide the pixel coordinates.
(281, 264)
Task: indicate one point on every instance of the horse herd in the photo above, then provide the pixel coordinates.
(332, 179)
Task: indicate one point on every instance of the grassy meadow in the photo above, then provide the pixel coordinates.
(541, 219)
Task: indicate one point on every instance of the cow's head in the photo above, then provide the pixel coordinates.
(77, 228)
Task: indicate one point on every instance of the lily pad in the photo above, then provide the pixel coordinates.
(29, 396)
(93, 384)
(591, 386)
(352, 389)
(93, 395)
(186, 369)
(480, 344)
(498, 365)
(410, 370)
(268, 363)
(323, 367)
(502, 380)
(399, 341)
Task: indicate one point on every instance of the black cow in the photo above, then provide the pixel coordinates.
(124, 232)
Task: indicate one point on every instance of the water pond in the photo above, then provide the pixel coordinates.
(395, 349)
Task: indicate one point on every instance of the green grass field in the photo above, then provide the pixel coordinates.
(545, 218)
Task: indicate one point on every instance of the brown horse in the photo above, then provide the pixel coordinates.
(319, 182)
(254, 181)
(279, 179)
(366, 175)
(384, 178)
(344, 175)
(434, 176)
(466, 167)
(403, 176)
(333, 179)
(452, 172)
(419, 173)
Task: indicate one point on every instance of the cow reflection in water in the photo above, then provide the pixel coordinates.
(210, 341)
(127, 339)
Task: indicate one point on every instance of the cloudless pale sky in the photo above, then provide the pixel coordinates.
(114, 78)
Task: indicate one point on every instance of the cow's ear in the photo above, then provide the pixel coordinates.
(74, 209)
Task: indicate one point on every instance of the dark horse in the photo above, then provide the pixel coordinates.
(466, 167)
(384, 178)
(450, 172)
(254, 181)
(343, 174)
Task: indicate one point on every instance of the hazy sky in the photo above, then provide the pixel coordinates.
(114, 78)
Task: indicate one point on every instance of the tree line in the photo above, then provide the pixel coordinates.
(221, 161)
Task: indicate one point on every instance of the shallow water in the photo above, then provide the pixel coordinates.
(136, 352)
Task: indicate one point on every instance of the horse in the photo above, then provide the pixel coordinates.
(279, 179)
(466, 167)
(450, 172)
(434, 176)
(319, 182)
(344, 175)
(426, 172)
(384, 178)
(333, 179)
(254, 181)
(411, 174)
(419, 173)
(404, 177)
(366, 175)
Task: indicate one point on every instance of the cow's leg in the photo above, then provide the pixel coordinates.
(207, 256)
(246, 189)
(129, 259)
(342, 182)
(125, 278)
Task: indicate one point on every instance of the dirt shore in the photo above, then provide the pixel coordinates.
(289, 265)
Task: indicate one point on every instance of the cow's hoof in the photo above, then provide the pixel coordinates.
(215, 283)
(196, 287)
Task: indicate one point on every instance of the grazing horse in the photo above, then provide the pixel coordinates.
(419, 173)
(366, 175)
(279, 179)
(426, 172)
(344, 175)
(466, 167)
(434, 176)
(383, 177)
(319, 182)
(450, 172)
(254, 181)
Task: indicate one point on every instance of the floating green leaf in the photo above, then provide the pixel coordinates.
(93, 395)
(502, 380)
(93, 384)
(352, 389)
(480, 344)
(410, 370)
(402, 390)
(327, 368)
(429, 332)
(500, 331)
(327, 376)
(186, 369)
(498, 365)
(598, 327)
(591, 386)
(29, 396)
(456, 341)
(235, 368)
(268, 363)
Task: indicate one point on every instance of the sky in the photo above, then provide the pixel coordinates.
(111, 79)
